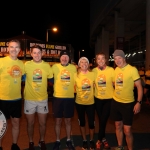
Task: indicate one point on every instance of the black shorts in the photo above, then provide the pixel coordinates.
(90, 111)
(122, 112)
(63, 107)
(11, 108)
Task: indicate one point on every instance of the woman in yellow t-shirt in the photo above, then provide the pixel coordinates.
(84, 80)
(104, 78)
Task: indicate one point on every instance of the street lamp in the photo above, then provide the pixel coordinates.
(53, 29)
(79, 52)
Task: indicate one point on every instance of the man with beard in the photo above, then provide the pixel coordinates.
(63, 101)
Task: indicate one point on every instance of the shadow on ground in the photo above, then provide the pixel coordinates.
(141, 141)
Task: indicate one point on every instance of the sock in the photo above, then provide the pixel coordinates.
(103, 140)
(84, 140)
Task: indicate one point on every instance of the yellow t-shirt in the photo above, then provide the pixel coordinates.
(84, 88)
(104, 82)
(142, 75)
(37, 75)
(11, 72)
(124, 83)
(147, 77)
(63, 80)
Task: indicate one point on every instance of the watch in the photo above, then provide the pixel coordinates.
(140, 102)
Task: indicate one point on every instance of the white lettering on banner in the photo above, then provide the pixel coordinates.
(60, 47)
(42, 45)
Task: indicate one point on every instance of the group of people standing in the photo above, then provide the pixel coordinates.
(108, 91)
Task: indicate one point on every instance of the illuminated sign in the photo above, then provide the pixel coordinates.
(42, 45)
(48, 46)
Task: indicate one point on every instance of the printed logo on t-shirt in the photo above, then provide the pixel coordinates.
(65, 75)
(101, 80)
(37, 75)
(119, 80)
(86, 88)
(37, 79)
(15, 72)
(65, 79)
(86, 85)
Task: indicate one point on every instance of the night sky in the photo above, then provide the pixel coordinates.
(72, 18)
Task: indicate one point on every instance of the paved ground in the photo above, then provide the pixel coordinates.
(141, 130)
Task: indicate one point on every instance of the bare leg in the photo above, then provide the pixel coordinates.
(57, 127)
(68, 127)
(129, 137)
(15, 129)
(91, 134)
(42, 123)
(119, 132)
(30, 126)
(83, 132)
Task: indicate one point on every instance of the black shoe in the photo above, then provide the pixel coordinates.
(42, 145)
(56, 145)
(70, 145)
(15, 147)
(85, 145)
(31, 146)
(92, 145)
(1, 148)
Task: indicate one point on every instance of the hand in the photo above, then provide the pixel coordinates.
(137, 108)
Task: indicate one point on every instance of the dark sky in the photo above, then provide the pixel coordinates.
(70, 16)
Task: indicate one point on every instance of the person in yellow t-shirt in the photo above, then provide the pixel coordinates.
(37, 74)
(11, 72)
(84, 84)
(123, 105)
(147, 86)
(63, 97)
(104, 78)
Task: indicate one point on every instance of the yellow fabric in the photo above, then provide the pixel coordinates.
(84, 88)
(147, 74)
(104, 82)
(11, 72)
(124, 83)
(63, 80)
(142, 75)
(37, 75)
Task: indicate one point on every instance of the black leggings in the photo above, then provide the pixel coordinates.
(90, 111)
(103, 111)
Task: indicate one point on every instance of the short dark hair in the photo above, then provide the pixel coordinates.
(36, 46)
(15, 40)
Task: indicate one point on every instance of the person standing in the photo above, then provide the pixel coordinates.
(37, 74)
(147, 86)
(104, 78)
(84, 84)
(63, 101)
(11, 71)
(124, 106)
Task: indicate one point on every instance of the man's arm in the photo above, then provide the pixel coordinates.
(137, 106)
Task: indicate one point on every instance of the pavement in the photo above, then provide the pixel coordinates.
(140, 128)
